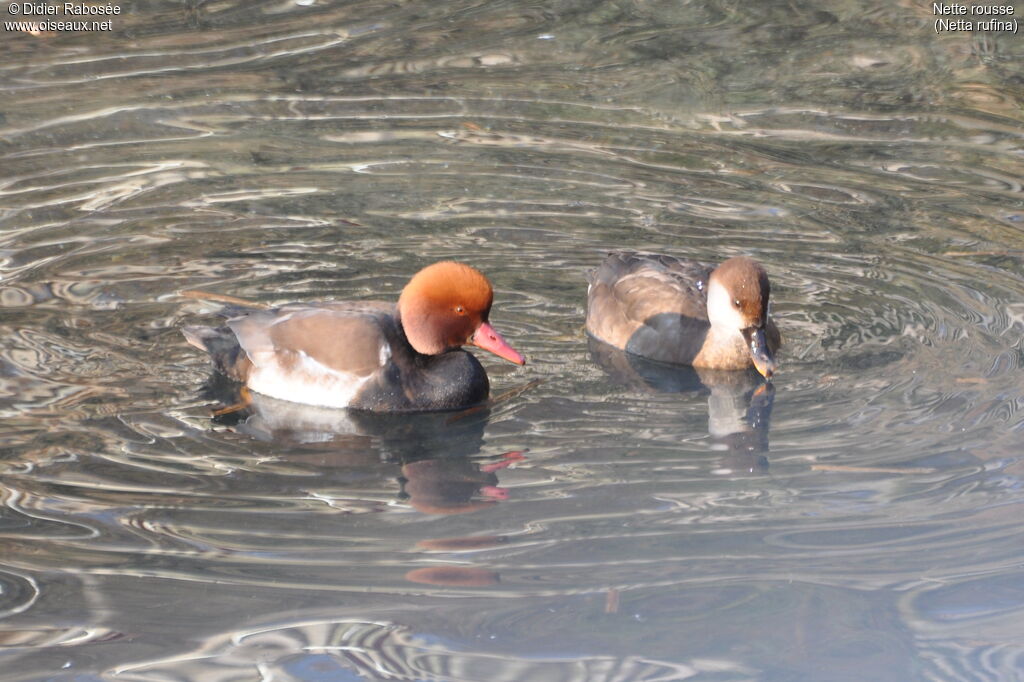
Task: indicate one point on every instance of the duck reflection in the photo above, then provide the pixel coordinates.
(739, 403)
(454, 485)
(436, 451)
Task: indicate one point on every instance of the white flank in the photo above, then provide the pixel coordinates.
(308, 382)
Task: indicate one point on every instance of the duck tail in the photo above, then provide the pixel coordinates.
(222, 345)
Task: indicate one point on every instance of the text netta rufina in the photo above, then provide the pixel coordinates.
(368, 355)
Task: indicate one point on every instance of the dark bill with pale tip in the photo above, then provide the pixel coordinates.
(758, 345)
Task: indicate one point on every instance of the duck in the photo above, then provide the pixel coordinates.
(368, 355)
(683, 312)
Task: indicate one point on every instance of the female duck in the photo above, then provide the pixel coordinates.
(368, 355)
(683, 312)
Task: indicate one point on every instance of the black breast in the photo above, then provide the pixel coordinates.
(413, 382)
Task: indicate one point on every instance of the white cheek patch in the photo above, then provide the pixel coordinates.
(721, 311)
(307, 381)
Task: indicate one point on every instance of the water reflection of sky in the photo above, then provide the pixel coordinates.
(601, 524)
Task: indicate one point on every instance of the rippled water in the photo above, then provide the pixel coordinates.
(856, 520)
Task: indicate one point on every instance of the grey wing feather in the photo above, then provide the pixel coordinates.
(649, 284)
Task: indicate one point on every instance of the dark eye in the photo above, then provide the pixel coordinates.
(459, 309)
(736, 302)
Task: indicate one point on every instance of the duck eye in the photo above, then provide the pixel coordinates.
(459, 309)
(736, 302)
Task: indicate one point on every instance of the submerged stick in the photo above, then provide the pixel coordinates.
(871, 470)
(221, 298)
(1005, 252)
(511, 393)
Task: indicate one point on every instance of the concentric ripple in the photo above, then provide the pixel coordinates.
(603, 519)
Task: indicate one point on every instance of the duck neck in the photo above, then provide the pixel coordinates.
(725, 347)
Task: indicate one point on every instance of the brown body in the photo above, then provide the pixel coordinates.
(657, 307)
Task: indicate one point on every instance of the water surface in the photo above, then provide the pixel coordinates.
(857, 519)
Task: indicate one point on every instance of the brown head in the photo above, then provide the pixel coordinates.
(445, 306)
(738, 292)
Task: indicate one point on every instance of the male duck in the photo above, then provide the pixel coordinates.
(368, 355)
(683, 312)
